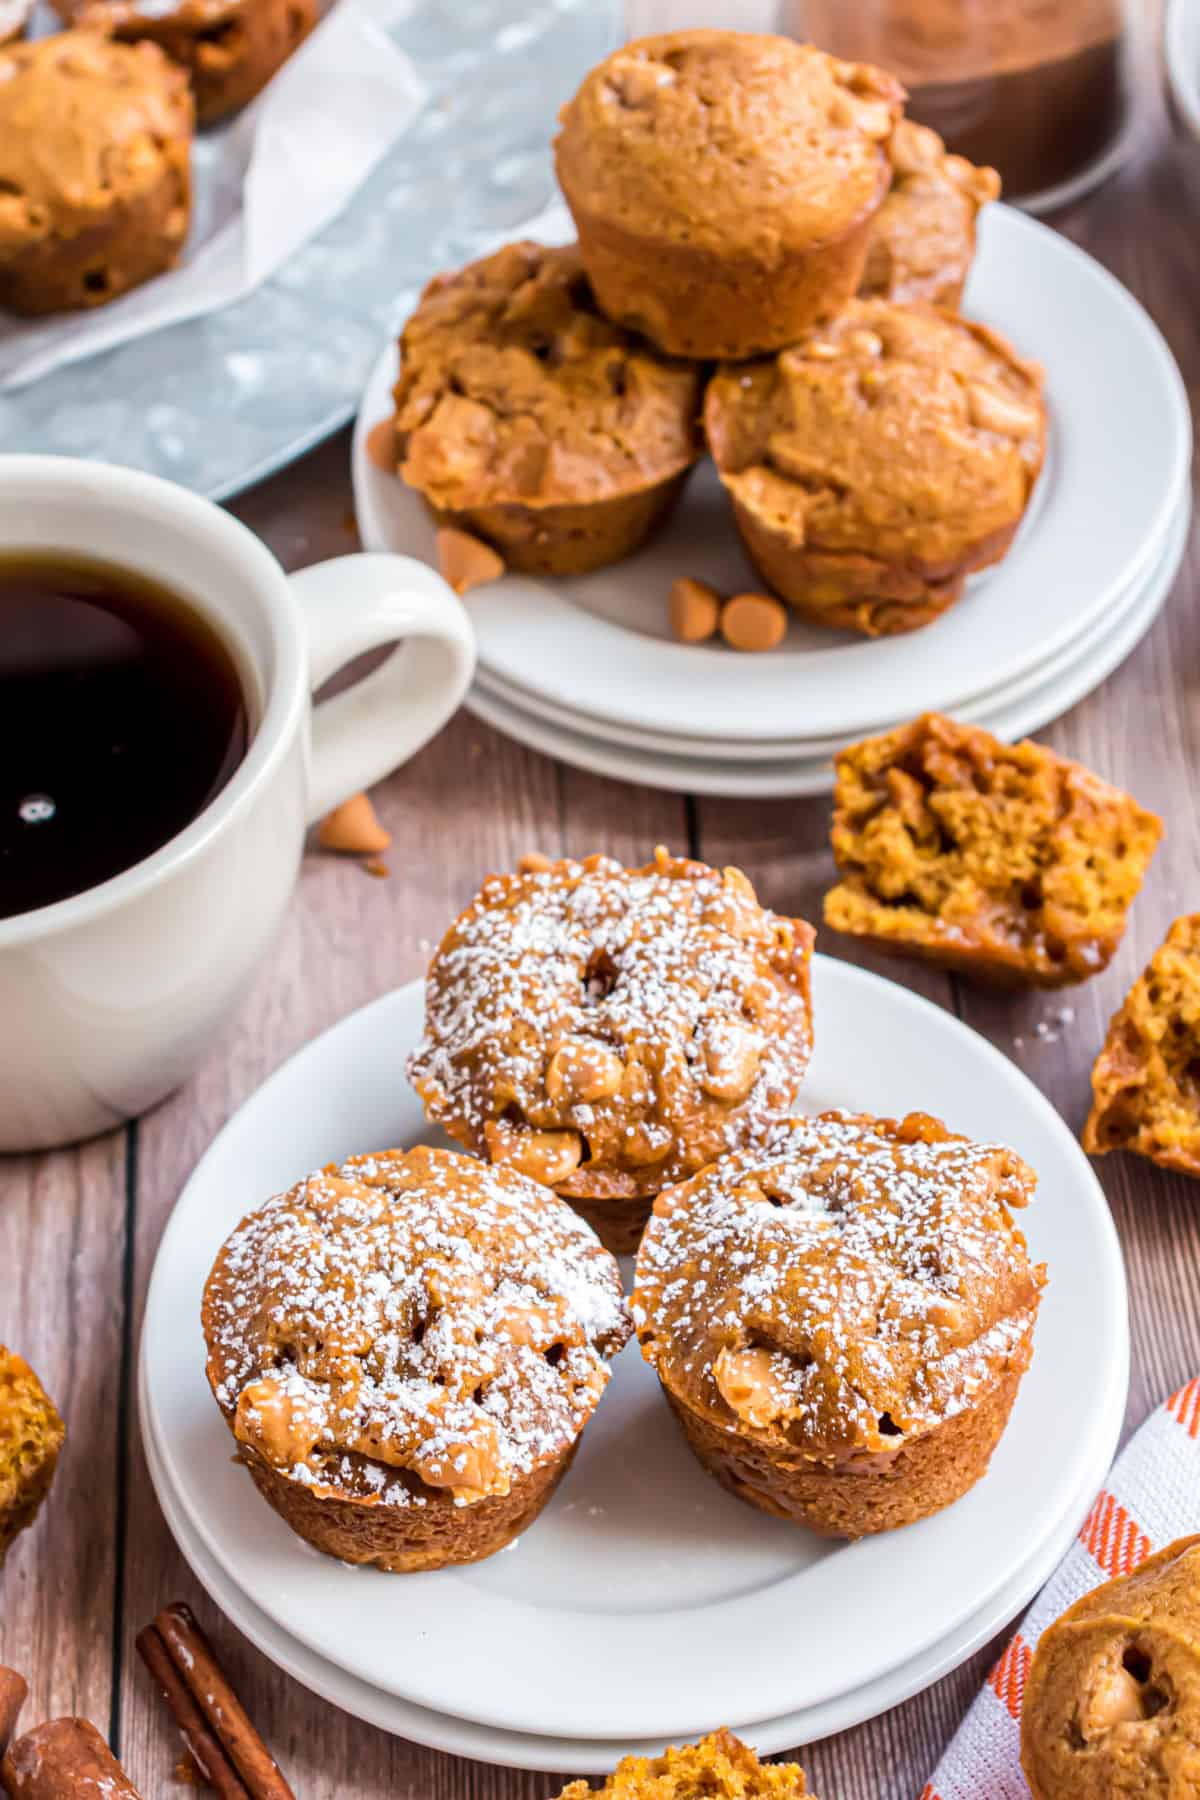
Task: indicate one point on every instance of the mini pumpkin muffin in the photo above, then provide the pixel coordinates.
(230, 48)
(31, 1436)
(840, 1318)
(720, 1767)
(1112, 1700)
(95, 170)
(14, 17)
(406, 1348)
(923, 239)
(877, 463)
(724, 185)
(610, 1030)
(1146, 1082)
(523, 416)
(1004, 861)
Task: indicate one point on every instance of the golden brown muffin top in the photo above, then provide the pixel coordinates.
(727, 141)
(1144, 1082)
(31, 1431)
(1112, 1703)
(720, 1767)
(902, 430)
(611, 1029)
(411, 1320)
(844, 1288)
(1005, 848)
(84, 126)
(923, 236)
(513, 387)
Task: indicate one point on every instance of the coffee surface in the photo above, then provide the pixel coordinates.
(121, 716)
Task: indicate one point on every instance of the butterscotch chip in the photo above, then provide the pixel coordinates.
(923, 237)
(840, 1317)
(95, 170)
(229, 48)
(609, 1030)
(1112, 1699)
(1146, 1082)
(876, 464)
(353, 828)
(31, 1436)
(720, 1767)
(694, 610)
(753, 622)
(465, 561)
(406, 1348)
(1002, 860)
(723, 185)
(527, 418)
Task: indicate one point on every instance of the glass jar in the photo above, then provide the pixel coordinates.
(1040, 89)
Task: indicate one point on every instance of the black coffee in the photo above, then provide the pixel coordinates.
(121, 716)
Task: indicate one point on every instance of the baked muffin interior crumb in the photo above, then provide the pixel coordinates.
(1147, 1078)
(719, 1768)
(1009, 847)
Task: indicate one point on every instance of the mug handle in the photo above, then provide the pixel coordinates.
(358, 603)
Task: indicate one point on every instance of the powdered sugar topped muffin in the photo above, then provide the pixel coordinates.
(407, 1348)
(841, 1318)
(610, 1030)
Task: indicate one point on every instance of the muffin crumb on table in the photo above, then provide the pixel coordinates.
(841, 1316)
(609, 1030)
(31, 1437)
(1146, 1081)
(1003, 861)
(720, 1767)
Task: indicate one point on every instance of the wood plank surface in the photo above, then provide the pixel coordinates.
(79, 1230)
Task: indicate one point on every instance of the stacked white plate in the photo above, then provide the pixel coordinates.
(585, 669)
(645, 1604)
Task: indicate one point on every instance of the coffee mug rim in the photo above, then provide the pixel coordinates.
(283, 705)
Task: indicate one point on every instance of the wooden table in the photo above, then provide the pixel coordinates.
(79, 1229)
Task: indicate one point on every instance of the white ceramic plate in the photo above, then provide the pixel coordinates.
(1133, 601)
(588, 1756)
(1181, 48)
(1120, 451)
(641, 1563)
(807, 776)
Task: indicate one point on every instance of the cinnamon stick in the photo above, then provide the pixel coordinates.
(14, 1691)
(206, 1691)
(201, 1745)
(62, 1760)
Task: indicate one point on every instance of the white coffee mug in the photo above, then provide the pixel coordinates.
(108, 1000)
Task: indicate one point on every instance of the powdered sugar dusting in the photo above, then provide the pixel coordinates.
(852, 1283)
(660, 1013)
(412, 1321)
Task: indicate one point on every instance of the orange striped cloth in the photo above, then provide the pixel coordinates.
(1152, 1498)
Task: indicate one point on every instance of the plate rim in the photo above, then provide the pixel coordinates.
(1109, 1393)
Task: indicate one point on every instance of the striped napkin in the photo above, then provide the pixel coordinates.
(1152, 1498)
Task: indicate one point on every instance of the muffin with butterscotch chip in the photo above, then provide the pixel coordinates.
(923, 238)
(229, 48)
(840, 1318)
(1003, 861)
(31, 1437)
(95, 170)
(723, 185)
(878, 462)
(720, 1767)
(406, 1348)
(1146, 1081)
(527, 419)
(609, 1030)
(1112, 1700)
